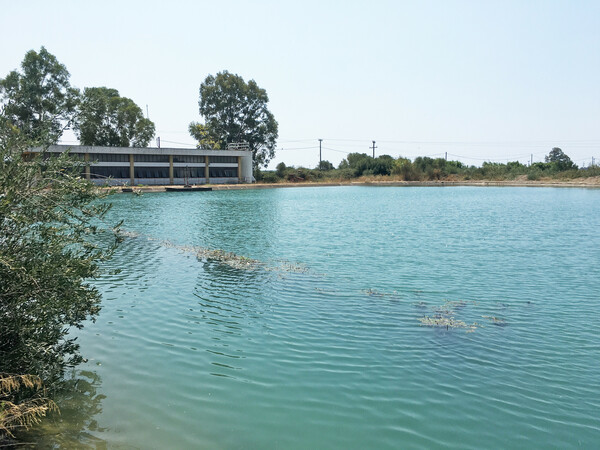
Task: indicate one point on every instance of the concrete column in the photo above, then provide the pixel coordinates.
(131, 170)
(171, 169)
(246, 166)
(86, 158)
(206, 169)
(239, 169)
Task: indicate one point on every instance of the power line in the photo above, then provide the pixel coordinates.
(297, 148)
(337, 150)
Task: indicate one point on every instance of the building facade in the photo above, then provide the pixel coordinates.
(161, 166)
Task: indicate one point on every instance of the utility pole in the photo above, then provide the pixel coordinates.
(446, 156)
(592, 161)
(374, 149)
(320, 141)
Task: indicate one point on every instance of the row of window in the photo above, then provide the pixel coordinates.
(188, 159)
(109, 157)
(120, 157)
(106, 172)
(223, 172)
(222, 159)
(151, 158)
(98, 172)
(200, 159)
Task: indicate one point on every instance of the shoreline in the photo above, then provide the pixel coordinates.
(586, 183)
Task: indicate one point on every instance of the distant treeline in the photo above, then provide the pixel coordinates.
(556, 165)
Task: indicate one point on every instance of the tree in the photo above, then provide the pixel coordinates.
(39, 100)
(52, 239)
(280, 169)
(363, 164)
(107, 119)
(236, 111)
(325, 165)
(561, 160)
(201, 133)
(405, 168)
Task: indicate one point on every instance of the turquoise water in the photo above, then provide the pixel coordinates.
(319, 343)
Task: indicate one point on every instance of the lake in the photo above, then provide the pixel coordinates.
(345, 317)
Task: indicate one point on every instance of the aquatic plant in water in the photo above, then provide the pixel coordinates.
(444, 316)
(223, 257)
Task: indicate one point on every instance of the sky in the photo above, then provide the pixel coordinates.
(474, 80)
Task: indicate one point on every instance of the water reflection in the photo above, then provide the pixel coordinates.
(76, 425)
(233, 303)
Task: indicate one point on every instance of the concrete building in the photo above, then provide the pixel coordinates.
(162, 166)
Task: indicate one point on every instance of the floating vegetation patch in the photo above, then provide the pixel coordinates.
(376, 293)
(444, 316)
(221, 256)
(496, 320)
(442, 321)
(229, 259)
(128, 234)
(287, 266)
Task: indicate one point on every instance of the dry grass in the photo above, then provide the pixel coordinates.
(25, 412)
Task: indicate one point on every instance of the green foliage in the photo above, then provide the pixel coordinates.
(432, 169)
(363, 164)
(560, 159)
(51, 241)
(39, 100)
(534, 174)
(281, 168)
(269, 177)
(201, 133)
(405, 169)
(107, 119)
(325, 165)
(236, 111)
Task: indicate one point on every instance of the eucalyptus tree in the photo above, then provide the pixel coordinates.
(39, 99)
(236, 111)
(107, 119)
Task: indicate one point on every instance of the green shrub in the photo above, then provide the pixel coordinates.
(534, 174)
(269, 177)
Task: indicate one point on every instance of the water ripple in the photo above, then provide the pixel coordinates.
(328, 351)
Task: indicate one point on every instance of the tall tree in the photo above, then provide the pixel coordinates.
(562, 161)
(236, 111)
(39, 100)
(105, 118)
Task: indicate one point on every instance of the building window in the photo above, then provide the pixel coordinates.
(98, 172)
(151, 172)
(109, 157)
(190, 172)
(223, 172)
(222, 159)
(188, 158)
(151, 158)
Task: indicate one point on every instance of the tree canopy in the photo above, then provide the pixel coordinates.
(39, 99)
(562, 161)
(236, 111)
(107, 119)
(362, 164)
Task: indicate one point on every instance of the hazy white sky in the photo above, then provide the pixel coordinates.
(480, 80)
